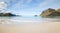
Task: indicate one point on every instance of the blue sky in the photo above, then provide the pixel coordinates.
(30, 7)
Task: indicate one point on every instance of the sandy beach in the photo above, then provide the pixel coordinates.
(29, 16)
(45, 27)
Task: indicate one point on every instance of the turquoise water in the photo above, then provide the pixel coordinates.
(25, 19)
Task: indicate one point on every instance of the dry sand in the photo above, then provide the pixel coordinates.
(46, 27)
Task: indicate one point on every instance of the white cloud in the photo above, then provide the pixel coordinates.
(3, 5)
(28, 1)
(22, 3)
(46, 2)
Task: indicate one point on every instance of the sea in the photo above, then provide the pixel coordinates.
(26, 19)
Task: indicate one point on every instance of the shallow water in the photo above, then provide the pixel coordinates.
(22, 20)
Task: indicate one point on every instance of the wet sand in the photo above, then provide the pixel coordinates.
(45, 27)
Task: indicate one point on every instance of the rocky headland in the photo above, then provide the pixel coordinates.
(7, 14)
(50, 13)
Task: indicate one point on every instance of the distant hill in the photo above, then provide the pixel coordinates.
(35, 15)
(7, 14)
(50, 13)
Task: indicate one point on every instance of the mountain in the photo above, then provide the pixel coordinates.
(7, 14)
(50, 13)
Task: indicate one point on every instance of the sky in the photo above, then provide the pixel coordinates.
(30, 7)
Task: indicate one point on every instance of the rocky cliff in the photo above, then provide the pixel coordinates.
(58, 10)
(50, 13)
